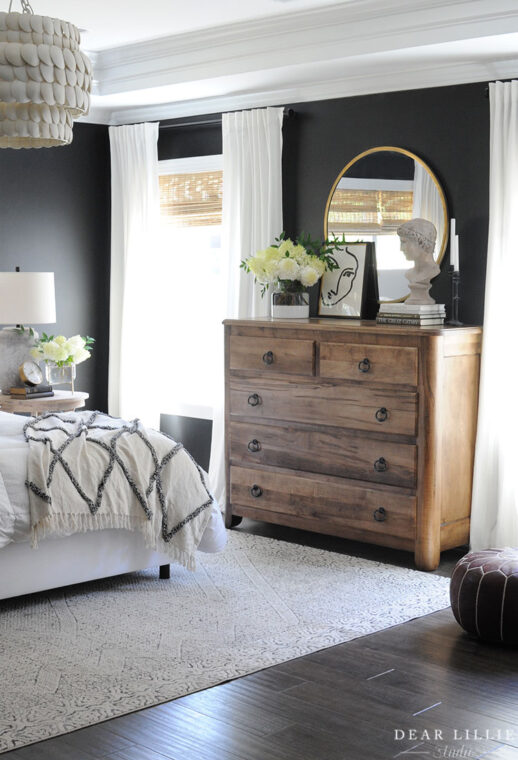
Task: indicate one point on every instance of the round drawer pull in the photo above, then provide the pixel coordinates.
(380, 514)
(382, 414)
(254, 445)
(268, 357)
(256, 491)
(254, 399)
(364, 365)
(381, 465)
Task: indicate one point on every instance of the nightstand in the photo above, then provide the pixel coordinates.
(61, 401)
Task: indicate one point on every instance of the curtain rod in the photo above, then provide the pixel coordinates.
(289, 113)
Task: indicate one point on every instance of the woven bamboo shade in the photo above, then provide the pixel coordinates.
(191, 200)
(369, 211)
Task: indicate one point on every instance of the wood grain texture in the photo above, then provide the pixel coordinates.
(415, 408)
(291, 357)
(324, 499)
(346, 327)
(61, 401)
(328, 527)
(335, 403)
(458, 433)
(330, 452)
(428, 541)
(382, 364)
(455, 534)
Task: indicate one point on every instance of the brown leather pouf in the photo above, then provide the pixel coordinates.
(484, 594)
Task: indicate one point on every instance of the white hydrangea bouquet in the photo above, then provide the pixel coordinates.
(292, 267)
(62, 351)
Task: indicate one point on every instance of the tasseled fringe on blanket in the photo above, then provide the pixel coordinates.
(64, 525)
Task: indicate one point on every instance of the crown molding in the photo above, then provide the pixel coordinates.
(378, 80)
(359, 27)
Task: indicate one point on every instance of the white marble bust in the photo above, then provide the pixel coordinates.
(418, 243)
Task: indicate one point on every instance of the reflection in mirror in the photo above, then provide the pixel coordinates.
(377, 192)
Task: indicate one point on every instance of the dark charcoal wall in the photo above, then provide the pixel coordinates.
(55, 203)
(448, 127)
(55, 216)
(186, 141)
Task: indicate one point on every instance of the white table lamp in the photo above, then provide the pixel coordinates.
(27, 298)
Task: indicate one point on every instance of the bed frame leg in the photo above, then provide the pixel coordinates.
(165, 572)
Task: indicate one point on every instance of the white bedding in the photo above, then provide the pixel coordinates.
(14, 495)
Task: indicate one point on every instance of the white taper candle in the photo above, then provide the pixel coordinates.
(454, 247)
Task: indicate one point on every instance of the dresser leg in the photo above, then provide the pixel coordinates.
(427, 558)
(231, 521)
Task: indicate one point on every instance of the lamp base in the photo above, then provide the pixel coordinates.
(16, 329)
(15, 348)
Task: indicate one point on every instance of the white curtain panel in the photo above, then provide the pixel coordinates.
(252, 219)
(494, 520)
(135, 213)
(427, 202)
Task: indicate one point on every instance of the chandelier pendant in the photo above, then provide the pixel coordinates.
(45, 80)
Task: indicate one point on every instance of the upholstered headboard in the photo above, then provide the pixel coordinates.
(14, 349)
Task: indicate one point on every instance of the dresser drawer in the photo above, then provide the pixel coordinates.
(341, 405)
(330, 452)
(272, 355)
(390, 365)
(329, 503)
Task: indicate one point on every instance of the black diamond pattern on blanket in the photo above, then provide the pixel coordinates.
(57, 432)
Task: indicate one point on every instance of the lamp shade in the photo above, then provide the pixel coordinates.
(27, 298)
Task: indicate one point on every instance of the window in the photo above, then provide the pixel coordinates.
(190, 282)
(372, 207)
(371, 210)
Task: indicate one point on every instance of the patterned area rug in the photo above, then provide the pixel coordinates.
(94, 651)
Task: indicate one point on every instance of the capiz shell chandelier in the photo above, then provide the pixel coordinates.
(45, 80)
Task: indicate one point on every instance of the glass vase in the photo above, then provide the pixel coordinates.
(290, 304)
(64, 375)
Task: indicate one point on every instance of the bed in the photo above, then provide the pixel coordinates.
(61, 561)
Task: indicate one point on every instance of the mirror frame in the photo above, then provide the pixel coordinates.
(392, 149)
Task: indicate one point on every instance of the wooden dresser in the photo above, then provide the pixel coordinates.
(354, 429)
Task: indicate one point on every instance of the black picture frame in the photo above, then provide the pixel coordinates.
(350, 291)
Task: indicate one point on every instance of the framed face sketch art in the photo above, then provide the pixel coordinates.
(343, 292)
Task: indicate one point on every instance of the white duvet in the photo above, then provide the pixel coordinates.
(14, 496)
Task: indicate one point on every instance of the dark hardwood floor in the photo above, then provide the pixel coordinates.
(411, 690)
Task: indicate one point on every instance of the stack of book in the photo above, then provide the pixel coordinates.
(420, 315)
(30, 391)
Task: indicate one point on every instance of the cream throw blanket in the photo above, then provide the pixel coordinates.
(89, 471)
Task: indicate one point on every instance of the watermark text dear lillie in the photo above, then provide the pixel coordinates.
(456, 734)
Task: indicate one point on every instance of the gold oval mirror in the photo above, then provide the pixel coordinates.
(373, 195)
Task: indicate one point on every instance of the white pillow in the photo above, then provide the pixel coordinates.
(11, 424)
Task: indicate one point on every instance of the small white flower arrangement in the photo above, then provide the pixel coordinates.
(62, 351)
(292, 266)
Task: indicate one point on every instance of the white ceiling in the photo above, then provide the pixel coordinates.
(114, 23)
(165, 58)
